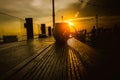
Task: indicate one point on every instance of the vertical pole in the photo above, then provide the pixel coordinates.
(53, 12)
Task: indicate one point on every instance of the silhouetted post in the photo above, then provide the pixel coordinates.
(49, 31)
(43, 29)
(29, 26)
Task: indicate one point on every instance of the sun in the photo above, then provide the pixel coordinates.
(70, 23)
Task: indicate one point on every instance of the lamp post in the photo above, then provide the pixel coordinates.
(53, 12)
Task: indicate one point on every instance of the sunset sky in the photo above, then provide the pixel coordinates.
(81, 11)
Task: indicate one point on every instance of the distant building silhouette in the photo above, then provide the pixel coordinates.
(29, 27)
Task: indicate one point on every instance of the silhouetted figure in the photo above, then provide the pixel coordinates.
(93, 30)
(49, 31)
(43, 29)
(93, 35)
(29, 26)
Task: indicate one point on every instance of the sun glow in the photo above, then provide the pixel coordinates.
(71, 25)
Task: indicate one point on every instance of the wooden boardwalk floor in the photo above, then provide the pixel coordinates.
(71, 61)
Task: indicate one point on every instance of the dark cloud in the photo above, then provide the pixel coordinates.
(103, 7)
(100, 7)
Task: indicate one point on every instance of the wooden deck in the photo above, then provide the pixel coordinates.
(71, 61)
